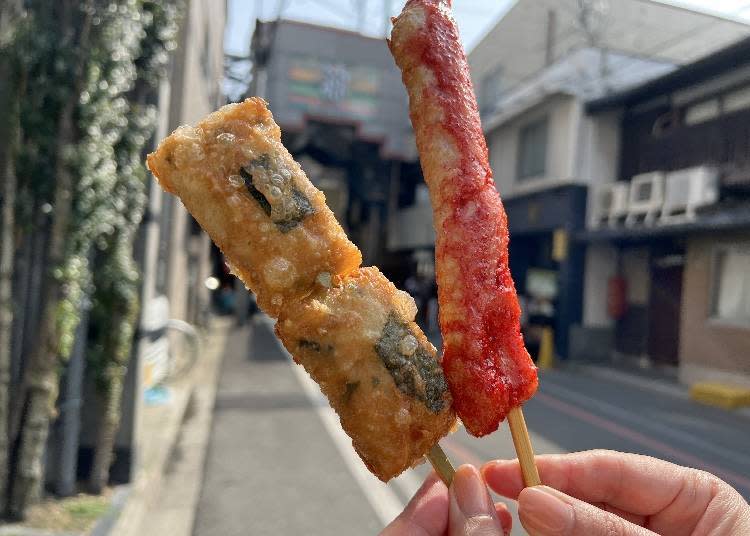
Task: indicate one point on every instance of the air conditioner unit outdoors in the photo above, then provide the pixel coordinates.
(610, 204)
(646, 198)
(688, 189)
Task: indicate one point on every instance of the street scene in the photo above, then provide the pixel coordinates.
(224, 324)
(286, 423)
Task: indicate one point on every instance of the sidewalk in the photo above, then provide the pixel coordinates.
(167, 430)
(271, 467)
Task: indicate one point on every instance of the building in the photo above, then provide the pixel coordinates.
(343, 112)
(674, 230)
(173, 251)
(534, 34)
(533, 73)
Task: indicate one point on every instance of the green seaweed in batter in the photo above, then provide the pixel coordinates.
(418, 375)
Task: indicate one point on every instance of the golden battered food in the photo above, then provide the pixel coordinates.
(358, 340)
(245, 189)
(351, 329)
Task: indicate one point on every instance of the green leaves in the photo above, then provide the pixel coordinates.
(127, 56)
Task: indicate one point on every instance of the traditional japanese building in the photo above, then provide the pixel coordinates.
(668, 263)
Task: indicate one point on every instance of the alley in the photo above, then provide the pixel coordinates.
(278, 462)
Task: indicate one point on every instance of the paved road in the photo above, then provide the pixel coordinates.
(279, 464)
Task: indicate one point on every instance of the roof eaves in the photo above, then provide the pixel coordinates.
(680, 77)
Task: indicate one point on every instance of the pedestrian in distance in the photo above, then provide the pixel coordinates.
(588, 493)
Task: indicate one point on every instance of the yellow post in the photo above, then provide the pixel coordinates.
(546, 358)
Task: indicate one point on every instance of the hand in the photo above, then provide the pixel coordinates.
(464, 510)
(610, 493)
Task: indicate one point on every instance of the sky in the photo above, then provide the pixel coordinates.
(474, 18)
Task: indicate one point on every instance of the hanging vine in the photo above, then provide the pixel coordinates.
(116, 278)
(91, 71)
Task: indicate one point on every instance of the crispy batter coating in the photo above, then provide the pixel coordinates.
(488, 368)
(358, 340)
(244, 188)
(350, 328)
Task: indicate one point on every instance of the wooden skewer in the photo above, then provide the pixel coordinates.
(441, 464)
(521, 441)
(524, 450)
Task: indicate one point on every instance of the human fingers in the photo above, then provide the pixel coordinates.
(472, 512)
(632, 483)
(505, 517)
(665, 497)
(426, 514)
(544, 511)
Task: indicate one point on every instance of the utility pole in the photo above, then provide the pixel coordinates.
(387, 9)
(360, 7)
(592, 18)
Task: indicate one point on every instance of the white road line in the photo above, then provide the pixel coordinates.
(586, 401)
(638, 382)
(383, 499)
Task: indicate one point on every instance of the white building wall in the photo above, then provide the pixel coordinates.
(196, 91)
(562, 112)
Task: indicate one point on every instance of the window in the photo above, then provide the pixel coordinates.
(737, 100)
(532, 149)
(731, 286)
(702, 112)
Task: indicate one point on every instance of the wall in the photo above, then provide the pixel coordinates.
(563, 113)
(196, 91)
(709, 350)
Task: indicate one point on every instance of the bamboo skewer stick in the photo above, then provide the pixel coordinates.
(524, 450)
(441, 464)
(521, 442)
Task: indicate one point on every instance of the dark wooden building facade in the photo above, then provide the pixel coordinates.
(690, 306)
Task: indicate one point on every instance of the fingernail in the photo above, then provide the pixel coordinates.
(471, 493)
(542, 511)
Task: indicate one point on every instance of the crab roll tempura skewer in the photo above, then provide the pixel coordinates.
(489, 371)
(349, 327)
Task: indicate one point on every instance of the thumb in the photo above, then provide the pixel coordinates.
(472, 512)
(547, 512)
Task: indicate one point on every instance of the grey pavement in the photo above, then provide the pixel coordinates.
(275, 466)
(271, 467)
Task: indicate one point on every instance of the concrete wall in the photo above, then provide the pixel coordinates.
(196, 91)
(710, 350)
(563, 113)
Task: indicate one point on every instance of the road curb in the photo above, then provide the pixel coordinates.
(138, 504)
(172, 507)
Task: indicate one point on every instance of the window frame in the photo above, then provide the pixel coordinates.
(715, 285)
(490, 90)
(521, 174)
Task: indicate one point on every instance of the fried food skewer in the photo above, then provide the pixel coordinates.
(489, 371)
(349, 327)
